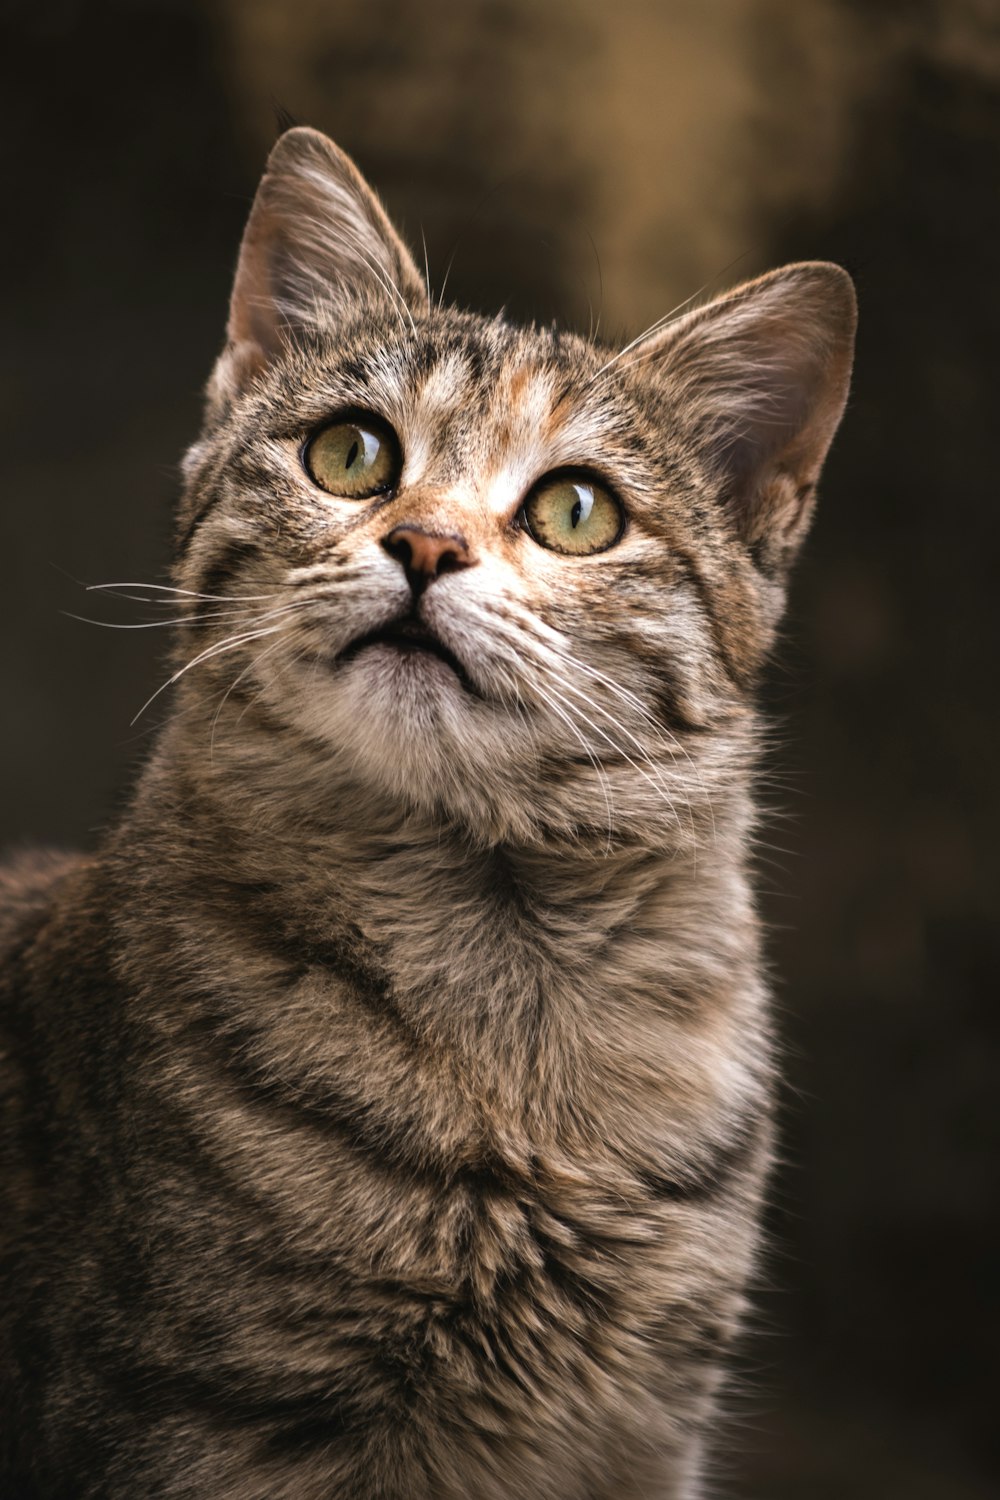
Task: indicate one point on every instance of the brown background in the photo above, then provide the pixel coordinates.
(569, 160)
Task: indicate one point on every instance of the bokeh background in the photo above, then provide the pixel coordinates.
(578, 159)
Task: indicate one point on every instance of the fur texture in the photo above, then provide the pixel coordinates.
(387, 1102)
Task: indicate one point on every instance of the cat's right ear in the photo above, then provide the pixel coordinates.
(317, 238)
(761, 376)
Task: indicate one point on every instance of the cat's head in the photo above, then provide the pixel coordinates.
(506, 575)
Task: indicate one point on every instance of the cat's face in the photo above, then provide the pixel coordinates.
(505, 575)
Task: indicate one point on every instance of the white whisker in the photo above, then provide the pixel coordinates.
(187, 622)
(165, 588)
(233, 685)
(602, 775)
(219, 649)
(543, 647)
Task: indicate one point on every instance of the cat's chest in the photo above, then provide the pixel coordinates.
(513, 1141)
(472, 950)
(420, 1236)
(412, 1143)
(437, 1024)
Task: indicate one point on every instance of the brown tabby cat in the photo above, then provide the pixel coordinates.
(386, 1104)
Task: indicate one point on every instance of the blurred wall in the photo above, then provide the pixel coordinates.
(590, 162)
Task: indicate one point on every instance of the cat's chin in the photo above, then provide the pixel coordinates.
(405, 665)
(395, 723)
(405, 647)
(389, 698)
(391, 705)
(402, 724)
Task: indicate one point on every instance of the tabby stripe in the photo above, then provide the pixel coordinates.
(145, 1387)
(667, 696)
(692, 572)
(705, 1183)
(325, 1108)
(224, 564)
(187, 535)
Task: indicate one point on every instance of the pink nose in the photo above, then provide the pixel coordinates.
(425, 555)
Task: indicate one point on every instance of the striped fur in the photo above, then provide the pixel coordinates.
(387, 1102)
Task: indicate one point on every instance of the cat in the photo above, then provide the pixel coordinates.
(387, 1102)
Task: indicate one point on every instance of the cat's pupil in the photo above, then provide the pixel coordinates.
(582, 506)
(352, 455)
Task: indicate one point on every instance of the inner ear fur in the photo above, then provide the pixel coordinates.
(762, 375)
(317, 238)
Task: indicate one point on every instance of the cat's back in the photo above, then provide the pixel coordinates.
(43, 913)
(55, 988)
(51, 922)
(50, 927)
(30, 883)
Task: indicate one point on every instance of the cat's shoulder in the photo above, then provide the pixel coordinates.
(39, 888)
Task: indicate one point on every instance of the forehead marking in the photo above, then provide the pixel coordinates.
(515, 440)
(545, 434)
(444, 391)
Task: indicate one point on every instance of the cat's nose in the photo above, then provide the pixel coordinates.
(425, 555)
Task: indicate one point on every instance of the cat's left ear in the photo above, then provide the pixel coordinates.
(317, 238)
(762, 374)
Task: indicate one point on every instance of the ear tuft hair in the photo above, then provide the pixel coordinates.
(284, 120)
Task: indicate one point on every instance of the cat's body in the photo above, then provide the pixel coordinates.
(387, 1102)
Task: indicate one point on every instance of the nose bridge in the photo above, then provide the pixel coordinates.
(435, 509)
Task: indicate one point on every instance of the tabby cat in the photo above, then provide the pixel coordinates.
(386, 1103)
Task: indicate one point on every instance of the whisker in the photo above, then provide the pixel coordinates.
(528, 641)
(231, 688)
(659, 323)
(654, 780)
(595, 328)
(166, 588)
(666, 738)
(427, 267)
(654, 328)
(297, 656)
(187, 622)
(218, 649)
(601, 773)
(554, 642)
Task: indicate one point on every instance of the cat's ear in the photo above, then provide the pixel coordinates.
(762, 374)
(317, 237)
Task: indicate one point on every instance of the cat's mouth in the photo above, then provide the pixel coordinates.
(409, 637)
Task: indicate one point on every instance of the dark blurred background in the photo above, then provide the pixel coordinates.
(572, 159)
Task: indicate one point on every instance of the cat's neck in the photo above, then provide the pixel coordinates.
(432, 898)
(515, 964)
(308, 822)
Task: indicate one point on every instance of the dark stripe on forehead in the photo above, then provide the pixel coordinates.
(481, 369)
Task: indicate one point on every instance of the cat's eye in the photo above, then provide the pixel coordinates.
(573, 515)
(355, 458)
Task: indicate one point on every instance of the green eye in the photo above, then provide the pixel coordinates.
(576, 516)
(356, 458)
